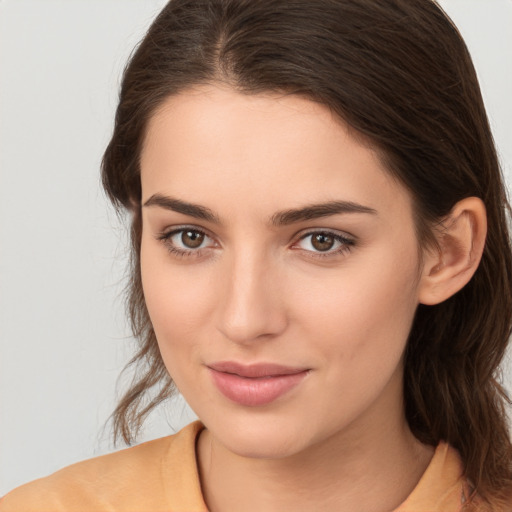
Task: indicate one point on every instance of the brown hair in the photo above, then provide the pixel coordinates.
(399, 73)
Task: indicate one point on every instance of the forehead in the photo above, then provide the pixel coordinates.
(214, 144)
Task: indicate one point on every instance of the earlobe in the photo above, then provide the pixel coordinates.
(460, 244)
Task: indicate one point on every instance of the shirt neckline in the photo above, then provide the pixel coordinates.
(441, 487)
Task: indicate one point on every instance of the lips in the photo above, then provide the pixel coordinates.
(255, 385)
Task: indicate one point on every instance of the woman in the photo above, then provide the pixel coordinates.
(321, 265)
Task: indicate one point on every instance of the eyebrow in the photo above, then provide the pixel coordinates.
(176, 205)
(316, 211)
(283, 218)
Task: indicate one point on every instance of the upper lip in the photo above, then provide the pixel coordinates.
(255, 370)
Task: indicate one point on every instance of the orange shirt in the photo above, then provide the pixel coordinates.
(162, 475)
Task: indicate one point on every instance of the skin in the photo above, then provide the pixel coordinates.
(259, 291)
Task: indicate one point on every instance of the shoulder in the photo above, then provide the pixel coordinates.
(150, 476)
(444, 488)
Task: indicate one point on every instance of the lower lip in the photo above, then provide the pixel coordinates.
(255, 391)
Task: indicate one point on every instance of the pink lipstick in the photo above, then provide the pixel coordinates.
(257, 384)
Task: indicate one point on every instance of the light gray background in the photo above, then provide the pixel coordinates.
(63, 337)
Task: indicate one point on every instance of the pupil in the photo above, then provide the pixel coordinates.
(322, 242)
(192, 239)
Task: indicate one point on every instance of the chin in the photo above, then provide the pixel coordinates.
(264, 447)
(263, 437)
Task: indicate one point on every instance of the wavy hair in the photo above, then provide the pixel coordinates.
(399, 73)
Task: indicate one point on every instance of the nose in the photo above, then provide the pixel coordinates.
(251, 305)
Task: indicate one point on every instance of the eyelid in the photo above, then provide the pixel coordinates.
(172, 230)
(328, 231)
(166, 235)
(347, 241)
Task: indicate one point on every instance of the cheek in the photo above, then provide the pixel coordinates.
(178, 298)
(358, 324)
(363, 313)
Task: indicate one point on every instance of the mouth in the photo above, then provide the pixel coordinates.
(257, 384)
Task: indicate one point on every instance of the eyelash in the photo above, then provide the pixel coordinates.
(346, 243)
(166, 237)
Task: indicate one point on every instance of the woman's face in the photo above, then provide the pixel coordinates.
(280, 268)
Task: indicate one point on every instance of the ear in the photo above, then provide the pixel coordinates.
(461, 239)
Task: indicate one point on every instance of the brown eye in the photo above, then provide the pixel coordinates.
(322, 241)
(192, 239)
(187, 242)
(325, 243)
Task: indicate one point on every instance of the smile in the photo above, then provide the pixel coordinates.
(255, 385)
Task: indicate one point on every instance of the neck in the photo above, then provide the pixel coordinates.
(371, 465)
